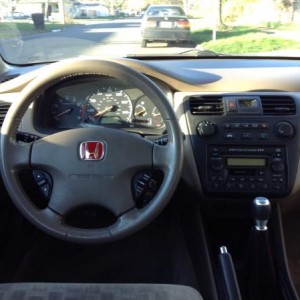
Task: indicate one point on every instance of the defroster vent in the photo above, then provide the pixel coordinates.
(278, 105)
(206, 105)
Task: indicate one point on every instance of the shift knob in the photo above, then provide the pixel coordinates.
(261, 212)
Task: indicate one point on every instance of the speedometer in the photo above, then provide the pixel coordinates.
(108, 106)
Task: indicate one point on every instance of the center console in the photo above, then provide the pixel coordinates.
(244, 144)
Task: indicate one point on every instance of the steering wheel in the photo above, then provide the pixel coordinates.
(90, 165)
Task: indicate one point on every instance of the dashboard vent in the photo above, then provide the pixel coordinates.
(206, 105)
(278, 105)
(4, 106)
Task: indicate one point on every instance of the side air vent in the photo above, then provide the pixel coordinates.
(278, 105)
(4, 106)
(7, 78)
(206, 105)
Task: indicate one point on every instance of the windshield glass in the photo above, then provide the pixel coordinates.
(33, 31)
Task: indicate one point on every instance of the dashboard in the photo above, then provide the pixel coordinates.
(225, 150)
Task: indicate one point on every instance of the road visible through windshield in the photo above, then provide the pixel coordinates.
(95, 38)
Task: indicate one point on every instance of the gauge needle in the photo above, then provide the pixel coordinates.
(102, 112)
(140, 113)
(64, 112)
(156, 115)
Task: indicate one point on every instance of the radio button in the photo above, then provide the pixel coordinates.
(246, 136)
(245, 125)
(235, 125)
(264, 126)
(242, 186)
(230, 186)
(277, 186)
(252, 186)
(216, 185)
(262, 136)
(254, 125)
(229, 136)
(265, 186)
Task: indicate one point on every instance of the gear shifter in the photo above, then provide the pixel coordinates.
(261, 268)
(261, 212)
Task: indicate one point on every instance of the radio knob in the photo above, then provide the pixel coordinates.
(277, 166)
(206, 128)
(217, 164)
(284, 130)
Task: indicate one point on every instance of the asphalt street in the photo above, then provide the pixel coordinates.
(102, 39)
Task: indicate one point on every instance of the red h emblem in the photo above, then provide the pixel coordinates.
(91, 150)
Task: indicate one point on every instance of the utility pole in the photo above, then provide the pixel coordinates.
(186, 7)
(62, 10)
(215, 18)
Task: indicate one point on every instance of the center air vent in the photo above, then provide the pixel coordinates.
(4, 106)
(206, 105)
(278, 105)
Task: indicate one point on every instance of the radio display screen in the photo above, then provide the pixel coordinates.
(246, 162)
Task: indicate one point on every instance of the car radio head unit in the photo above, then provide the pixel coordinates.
(250, 168)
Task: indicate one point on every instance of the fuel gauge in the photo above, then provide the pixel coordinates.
(157, 119)
(147, 114)
(142, 111)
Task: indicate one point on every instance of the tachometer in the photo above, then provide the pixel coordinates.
(67, 111)
(109, 106)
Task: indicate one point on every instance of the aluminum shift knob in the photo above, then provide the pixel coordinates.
(261, 212)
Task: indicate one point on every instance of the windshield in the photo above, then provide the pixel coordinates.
(35, 31)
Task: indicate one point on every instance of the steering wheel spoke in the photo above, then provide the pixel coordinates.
(19, 155)
(162, 157)
(114, 194)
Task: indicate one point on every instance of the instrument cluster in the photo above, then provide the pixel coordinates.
(103, 101)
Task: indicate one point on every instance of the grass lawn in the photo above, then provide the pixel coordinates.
(239, 40)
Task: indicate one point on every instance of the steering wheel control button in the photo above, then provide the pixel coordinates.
(145, 186)
(43, 181)
(92, 150)
(38, 176)
(26, 137)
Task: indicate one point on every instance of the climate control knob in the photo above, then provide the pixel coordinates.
(206, 128)
(284, 130)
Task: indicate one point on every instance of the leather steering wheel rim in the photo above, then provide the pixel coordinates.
(16, 156)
